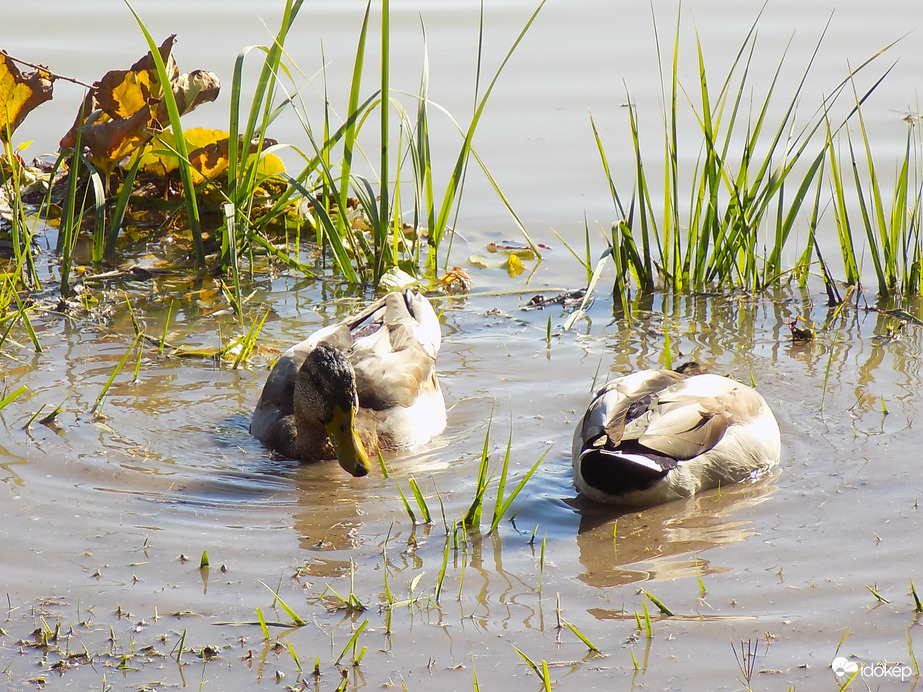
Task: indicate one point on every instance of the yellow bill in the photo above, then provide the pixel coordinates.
(346, 443)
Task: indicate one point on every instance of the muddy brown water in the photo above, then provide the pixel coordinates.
(105, 518)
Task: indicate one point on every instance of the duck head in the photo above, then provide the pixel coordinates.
(325, 397)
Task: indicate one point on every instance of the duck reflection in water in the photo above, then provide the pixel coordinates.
(619, 547)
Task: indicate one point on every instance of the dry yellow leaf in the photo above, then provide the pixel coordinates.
(127, 109)
(208, 154)
(20, 94)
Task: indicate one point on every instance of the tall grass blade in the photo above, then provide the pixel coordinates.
(590, 645)
(97, 405)
(455, 180)
(298, 620)
(502, 508)
(12, 396)
(421, 501)
(351, 644)
(473, 515)
(185, 169)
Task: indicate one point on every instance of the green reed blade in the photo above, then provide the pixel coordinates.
(541, 561)
(282, 604)
(473, 515)
(5, 401)
(660, 606)
(351, 644)
(917, 607)
(590, 645)
(498, 515)
(509, 207)
(22, 314)
(98, 403)
(262, 621)
(413, 517)
(421, 501)
(455, 180)
(442, 569)
(185, 169)
(530, 662)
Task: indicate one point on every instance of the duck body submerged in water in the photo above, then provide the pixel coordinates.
(660, 435)
(351, 389)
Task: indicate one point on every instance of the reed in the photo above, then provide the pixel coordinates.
(502, 502)
(753, 178)
(185, 168)
(21, 235)
(328, 181)
(890, 221)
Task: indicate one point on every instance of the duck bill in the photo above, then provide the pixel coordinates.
(346, 444)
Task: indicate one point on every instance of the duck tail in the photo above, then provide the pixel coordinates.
(616, 472)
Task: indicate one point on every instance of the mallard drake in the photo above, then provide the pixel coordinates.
(660, 435)
(365, 384)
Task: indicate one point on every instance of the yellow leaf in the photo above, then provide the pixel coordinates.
(158, 157)
(208, 154)
(121, 93)
(20, 94)
(127, 109)
(514, 265)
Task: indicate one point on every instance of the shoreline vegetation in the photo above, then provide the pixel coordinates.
(220, 205)
(124, 168)
(123, 175)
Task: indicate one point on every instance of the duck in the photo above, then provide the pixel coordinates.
(654, 436)
(357, 387)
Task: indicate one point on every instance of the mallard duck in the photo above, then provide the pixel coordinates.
(660, 435)
(365, 384)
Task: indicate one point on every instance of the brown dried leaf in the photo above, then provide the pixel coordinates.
(121, 93)
(455, 280)
(127, 108)
(20, 94)
(193, 89)
(110, 141)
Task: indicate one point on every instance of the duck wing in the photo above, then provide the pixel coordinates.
(620, 401)
(273, 419)
(394, 352)
(690, 417)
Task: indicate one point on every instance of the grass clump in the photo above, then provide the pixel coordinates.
(502, 503)
(360, 224)
(752, 179)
